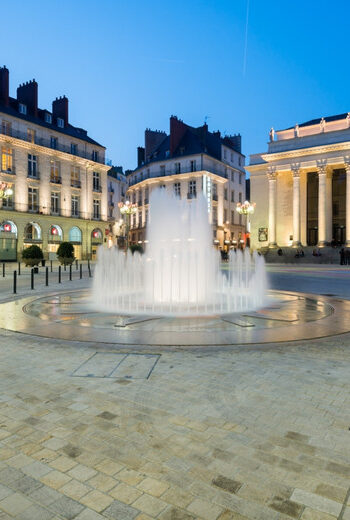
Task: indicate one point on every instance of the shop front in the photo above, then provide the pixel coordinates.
(96, 241)
(8, 241)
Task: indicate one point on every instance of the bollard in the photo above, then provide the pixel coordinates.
(19, 268)
(76, 265)
(65, 267)
(32, 278)
(47, 276)
(81, 271)
(14, 282)
(3, 270)
(89, 270)
(51, 266)
(59, 274)
(70, 272)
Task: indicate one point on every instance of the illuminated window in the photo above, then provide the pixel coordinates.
(7, 160)
(8, 202)
(31, 135)
(75, 176)
(55, 172)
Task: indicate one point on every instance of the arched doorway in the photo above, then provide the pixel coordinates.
(75, 238)
(8, 241)
(54, 239)
(96, 240)
(32, 233)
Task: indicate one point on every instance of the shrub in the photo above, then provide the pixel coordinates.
(136, 247)
(33, 253)
(65, 250)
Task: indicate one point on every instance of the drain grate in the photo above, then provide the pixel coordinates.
(110, 365)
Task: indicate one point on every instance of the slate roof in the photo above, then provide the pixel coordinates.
(318, 120)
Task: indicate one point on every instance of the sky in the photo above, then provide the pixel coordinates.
(129, 65)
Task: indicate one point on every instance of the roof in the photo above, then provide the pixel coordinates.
(319, 119)
(72, 131)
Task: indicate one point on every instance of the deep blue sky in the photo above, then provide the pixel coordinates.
(128, 65)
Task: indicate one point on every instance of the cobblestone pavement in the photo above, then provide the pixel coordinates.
(258, 433)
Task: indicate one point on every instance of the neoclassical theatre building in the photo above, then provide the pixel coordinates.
(301, 185)
(57, 173)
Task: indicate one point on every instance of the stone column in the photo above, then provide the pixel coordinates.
(272, 177)
(347, 221)
(322, 207)
(296, 205)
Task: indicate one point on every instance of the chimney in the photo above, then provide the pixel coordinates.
(140, 156)
(177, 131)
(4, 86)
(27, 93)
(153, 138)
(60, 109)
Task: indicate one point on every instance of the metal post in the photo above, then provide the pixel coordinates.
(76, 265)
(51, 266)
(65, 267)
(89, 270)
(19, 268)
(14, 282)
(3, 270)
(81, 271)
(47, 276)
(32, 278)
(70, 272)
(59, 274)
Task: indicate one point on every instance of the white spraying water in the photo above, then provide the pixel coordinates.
(180, 273)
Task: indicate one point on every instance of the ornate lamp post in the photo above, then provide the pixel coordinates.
(246, 208)
(5, 190)
(127, 208)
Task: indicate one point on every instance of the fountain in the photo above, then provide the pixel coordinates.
(180, 273)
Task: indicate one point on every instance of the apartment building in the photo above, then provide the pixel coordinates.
(189, 161)
(57, 173)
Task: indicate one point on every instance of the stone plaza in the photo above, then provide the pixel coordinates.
(95, 431)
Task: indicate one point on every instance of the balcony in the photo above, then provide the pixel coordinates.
(9, 171)
(192, 195)
(75, 183)
(56, 180)
(42, 141)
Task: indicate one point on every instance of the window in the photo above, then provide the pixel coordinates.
(225, 193)
(33, 166)
(48, 118)
(55, 203)
(225, 174)
(30, 135)
(22, 109)
(225, 153)
(140, 218)
(7, 160)
(134, 220)
(233, 176)
(225, 215)
(232, 217)
(240, 219)
(96, 208)
(75, 176)
(215, 191)
(232, 196)
(146, 195)
(215, 216)
(95, 155)
(146, 216)
(240, 197)
(192, 189)
(53, 142)
(134, 197)
(231, 157)
(240, 161)
(75, 206)
(55, 172)
(8, 202)
(74, 149)
(240, 178)
(162, 169)
(96, 181)
(33, 199)
(60, 122)
(193, 166)
(177, 189)
(148, 173)
(6, 127)
(177, 167)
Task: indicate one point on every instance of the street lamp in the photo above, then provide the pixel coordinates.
(5, 190)
(127, 208)
(246, 208)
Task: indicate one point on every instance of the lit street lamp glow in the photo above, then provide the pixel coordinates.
(246, 208)
(127, 208)
(5, 190)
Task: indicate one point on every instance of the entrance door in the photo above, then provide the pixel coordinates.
(8, 249)
(339, 234)
(312, 236)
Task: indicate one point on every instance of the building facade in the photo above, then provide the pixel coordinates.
(117, 187)
(301, 185)
(187, 162)
(58, 176)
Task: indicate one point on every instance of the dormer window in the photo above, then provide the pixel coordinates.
(48, 118)
(60, 122)
(22, 108)
(95, 155)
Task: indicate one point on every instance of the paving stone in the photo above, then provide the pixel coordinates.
(109, 467)
(36, 469)
(118, 510)
(152, 486)
(130, 476)
(312, 514)
(346, 515)
(177, 497)
(324, 505)
(204, 509)
(75, 489)
(88, 514)
(35, 512)
(55, 479)
(125, 493)
(26, 484)
(82, 473)
(63, 463)
(102, 482)
(107, 415)
(66, 507)
(96, 500)
(15, 504)
(287, 507)
(175, 514)
(5, 491)
(334, 493)
(44, 495)
(227, 484)
(8, 475)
